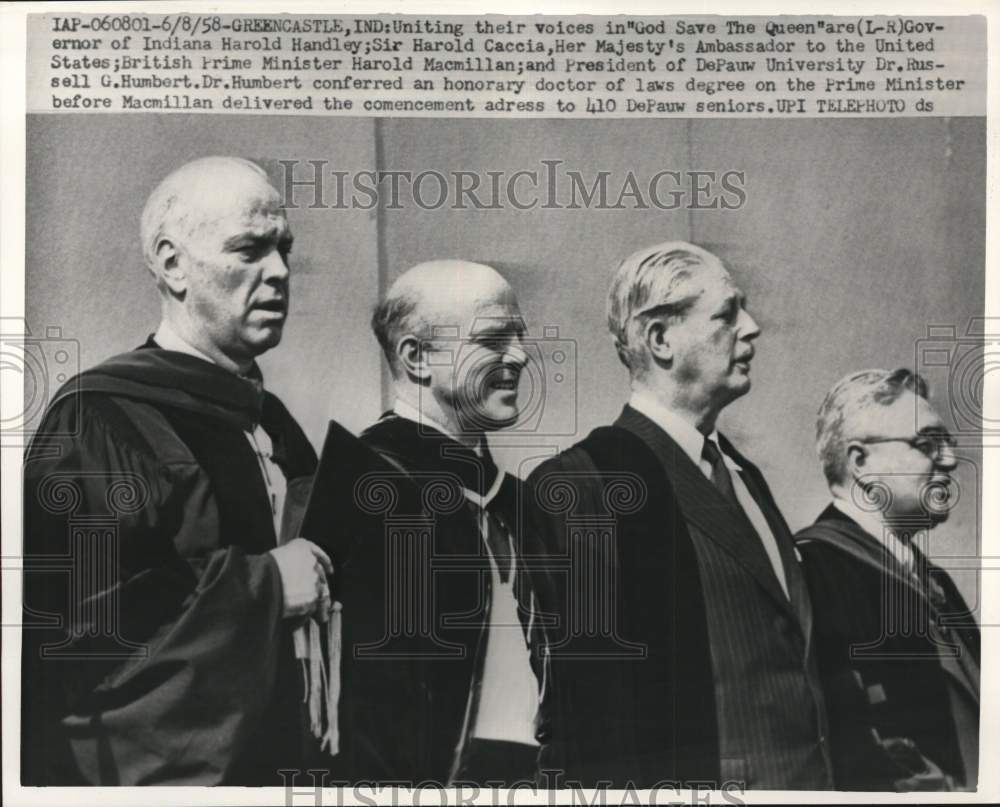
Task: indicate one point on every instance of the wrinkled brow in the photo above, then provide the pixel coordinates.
(498, 326)
(276, 231)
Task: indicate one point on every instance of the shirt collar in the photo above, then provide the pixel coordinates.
(873, 524)
(691, 441)
(168, 339)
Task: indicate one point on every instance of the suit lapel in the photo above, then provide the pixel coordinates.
(704, 506)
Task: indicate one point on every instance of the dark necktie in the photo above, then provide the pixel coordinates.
(781, 560)
(720, 473)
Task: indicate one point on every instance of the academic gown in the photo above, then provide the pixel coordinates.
(896, 655)
(155, 651)
(416, 597)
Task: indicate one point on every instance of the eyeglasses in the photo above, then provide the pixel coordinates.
(932, 445)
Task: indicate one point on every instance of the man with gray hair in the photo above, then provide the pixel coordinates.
(167, 657)
(703, 670)
(898, 647)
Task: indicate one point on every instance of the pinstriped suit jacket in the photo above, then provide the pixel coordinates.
(772, 724)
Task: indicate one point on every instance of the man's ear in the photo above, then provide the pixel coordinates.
(857, 459)
(170, 266)
(657, 338)
(411, 354)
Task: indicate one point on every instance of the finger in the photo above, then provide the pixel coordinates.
(323, 601)
(323, 610)
(322, 557)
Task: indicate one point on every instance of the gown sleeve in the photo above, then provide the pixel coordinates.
(150, 650)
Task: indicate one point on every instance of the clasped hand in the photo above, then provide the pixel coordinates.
(304, 569)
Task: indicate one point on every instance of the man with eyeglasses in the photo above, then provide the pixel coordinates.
(898, 647)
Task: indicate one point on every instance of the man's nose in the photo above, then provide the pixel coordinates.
(516, 353)
(275, 267)
(946, 459)
(749, 329)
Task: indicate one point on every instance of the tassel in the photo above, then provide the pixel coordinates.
(315, 680)
(302, 655)
(334, 628)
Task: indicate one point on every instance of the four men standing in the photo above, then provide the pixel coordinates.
(667, 634)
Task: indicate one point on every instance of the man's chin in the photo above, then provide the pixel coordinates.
(265, 338)
(917, 511)
(939, 516)
(737, 388)
(742, 386)
(939, 498)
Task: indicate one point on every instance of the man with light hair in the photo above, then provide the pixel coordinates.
(702, 671)
(167, 658)
(898, 647)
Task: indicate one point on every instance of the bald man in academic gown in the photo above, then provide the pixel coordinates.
(467, 707)
(159, 609)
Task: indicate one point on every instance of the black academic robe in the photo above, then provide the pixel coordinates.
(890, 650)
(630, 697)
(416, 593)
(155, 651)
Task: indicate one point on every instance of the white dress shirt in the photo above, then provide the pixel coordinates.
(274, 478)
(692, 442)
(508, 693)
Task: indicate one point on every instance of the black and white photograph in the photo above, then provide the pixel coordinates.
(385, 451)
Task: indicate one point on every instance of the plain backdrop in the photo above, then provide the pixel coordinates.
(856, 236)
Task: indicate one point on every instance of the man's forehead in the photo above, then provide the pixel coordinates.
(717, 273)
(498, 318)
(264, 218)
(469, 317)
(712, 282)
(253, 195)
(256, 213)
(924, 413)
